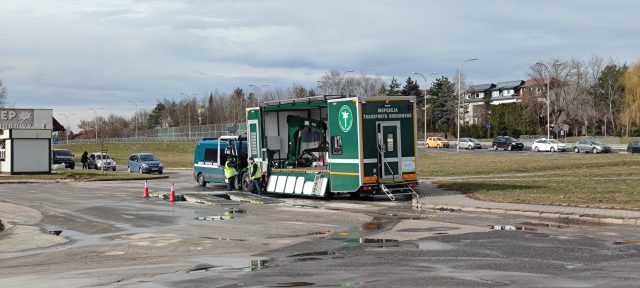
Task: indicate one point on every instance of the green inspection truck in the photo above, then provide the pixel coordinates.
(325, 145)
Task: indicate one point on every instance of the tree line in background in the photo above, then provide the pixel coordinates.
(591, 97)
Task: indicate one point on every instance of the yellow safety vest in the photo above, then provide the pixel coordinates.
(229, 171)
(258, 173)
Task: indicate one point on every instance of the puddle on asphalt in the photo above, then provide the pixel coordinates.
(201, 268)
(430, 229)
(292, 284)
(316, 253)
(627, 242)
(222, 239)
(543, 224)
(370, 226)
(431, 245)
(373, 240)
(55, 232)
(214, 218)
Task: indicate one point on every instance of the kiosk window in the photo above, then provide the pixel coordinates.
(337, 145)
(211, 155)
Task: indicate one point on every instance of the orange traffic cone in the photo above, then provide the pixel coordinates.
(145, 194)
(172, 196)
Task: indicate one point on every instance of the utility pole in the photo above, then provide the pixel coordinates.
(424, 102)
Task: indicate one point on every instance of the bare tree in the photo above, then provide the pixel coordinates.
(3, 95)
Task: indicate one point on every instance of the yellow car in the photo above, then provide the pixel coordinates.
(437, 142)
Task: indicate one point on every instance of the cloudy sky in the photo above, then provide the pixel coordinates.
(70, 55)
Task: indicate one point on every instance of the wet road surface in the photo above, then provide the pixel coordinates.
(114, 237)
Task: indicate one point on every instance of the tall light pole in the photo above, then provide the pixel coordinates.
(340, 82)
(188, 110)
(424, 101)
(459, 100)
(96, 111)
(548, 81)
(259, 89)
(136, 115)
(66, 117)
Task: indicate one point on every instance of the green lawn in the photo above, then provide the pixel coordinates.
(172, 155)
(84, 175)
(609, 180)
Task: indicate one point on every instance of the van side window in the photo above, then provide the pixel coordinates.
(211, 155)
(336, 142)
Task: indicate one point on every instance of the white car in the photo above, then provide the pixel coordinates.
(551, 145)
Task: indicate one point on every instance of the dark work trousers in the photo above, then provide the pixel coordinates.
(257, 186)
(231, 184)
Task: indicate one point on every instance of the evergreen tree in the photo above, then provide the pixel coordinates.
(394, 87)
(412, 88)
(156, 115)
(442, 103)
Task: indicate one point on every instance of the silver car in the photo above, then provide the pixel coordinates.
(592, 146)
(469, 143)
(101, 161)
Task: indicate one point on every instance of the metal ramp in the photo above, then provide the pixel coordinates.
(391, 190)
(253, 198)
(209, 199)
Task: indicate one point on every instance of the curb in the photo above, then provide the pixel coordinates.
(536, 214)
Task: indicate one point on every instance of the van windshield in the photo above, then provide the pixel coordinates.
(62, 153)
(148, 157)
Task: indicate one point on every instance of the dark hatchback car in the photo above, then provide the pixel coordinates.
(507, 143)
(634, 147)
(64, 156)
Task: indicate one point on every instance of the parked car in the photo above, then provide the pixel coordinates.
(634, 147)
(551, 145)
(507, 143)
(64, 156)
(144, 163)
(469, 143)
(437, 142)
(101, 161)
(593, 146)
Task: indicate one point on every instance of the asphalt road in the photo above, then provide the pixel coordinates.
(112, 237)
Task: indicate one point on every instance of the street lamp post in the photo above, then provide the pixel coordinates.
(459, 100)
(424, 102)
(548, 81)
(136, 115)
(96, 112)
(340, 82)
(188, 111)
(259, 89)
(66, 117)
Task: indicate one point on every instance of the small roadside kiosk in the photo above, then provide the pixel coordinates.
(25, 140)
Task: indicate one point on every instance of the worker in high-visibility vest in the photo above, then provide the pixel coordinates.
(256, 174)
(230, 172)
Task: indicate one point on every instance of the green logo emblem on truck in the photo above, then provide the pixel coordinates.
(345, 118)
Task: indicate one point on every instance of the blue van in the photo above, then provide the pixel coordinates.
(211, 155)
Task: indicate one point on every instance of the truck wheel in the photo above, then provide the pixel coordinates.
(201, 181)
(246, 182)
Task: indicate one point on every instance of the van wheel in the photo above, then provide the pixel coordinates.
(201, 181)
(246, 182)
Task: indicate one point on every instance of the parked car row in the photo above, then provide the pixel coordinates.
(138, 162)
(539, 145)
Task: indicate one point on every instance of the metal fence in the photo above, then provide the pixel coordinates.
(169, 135)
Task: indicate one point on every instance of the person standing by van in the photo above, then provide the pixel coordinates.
(84, 159)
(230, 172)
(255, 173)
